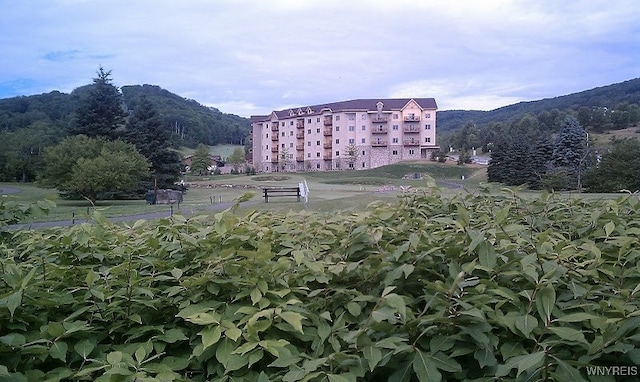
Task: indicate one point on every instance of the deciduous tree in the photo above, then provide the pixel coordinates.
(200, 161)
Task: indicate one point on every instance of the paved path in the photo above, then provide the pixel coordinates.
(8, 190)
(116, 219)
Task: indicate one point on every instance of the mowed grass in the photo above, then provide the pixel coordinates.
(223, 150)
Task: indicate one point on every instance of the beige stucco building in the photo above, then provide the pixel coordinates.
(356, 134)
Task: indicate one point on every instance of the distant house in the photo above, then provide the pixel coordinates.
(216, 160)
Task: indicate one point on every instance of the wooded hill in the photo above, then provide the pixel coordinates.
(191, 122)
(602, 97)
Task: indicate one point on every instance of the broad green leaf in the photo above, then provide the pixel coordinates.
(233, 333)
(577, 317)
(526, 324)
(373, 356)
(14, 301)
(353, 308)
(210, 336)
(425, 369)
(59, 351)
(569, 334)
(114, 358)
(487, 255)
(13, 339)
(84, 348)
(530, 361)
(545, 301)
(91, 277)
(245, 348)
(294, 319)
(256, 296)
(485, 358)
(566, 372)
(172, 336)
(608, 228)
(341, 377)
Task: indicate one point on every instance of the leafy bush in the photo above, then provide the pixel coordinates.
(473, 287)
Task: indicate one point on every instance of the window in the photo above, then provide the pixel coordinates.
(395, 140)
(337, 128)
(290, 144)
(352, 128)
(318, 131)
(395, 127)
(266, 147)
(362, 152)
(364, 140)
(352, 141)
(427, 127)
(427, 115)
(267, 135)
(352, 117)
(308, 143)
(317, 143)
(318, 119)
(350, 165)
(363, 164)
(282, 123)
(395, 116)
(267, 158)
(337, 117)
(283, 133)
(318, 165)
(308, 131)
(364, 117)
(308, 155)
(427, 139)
(337, 141)
(363, 128)
(291, 123)
(317, 155)
(337, 153)
(309, 120)
(283, 145)
(411, 152)
(291, 133)
(394, 152)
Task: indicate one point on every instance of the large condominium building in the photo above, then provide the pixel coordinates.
(356, 134)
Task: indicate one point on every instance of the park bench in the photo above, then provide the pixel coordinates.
(283, 191)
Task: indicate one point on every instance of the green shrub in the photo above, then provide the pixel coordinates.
(475, 287)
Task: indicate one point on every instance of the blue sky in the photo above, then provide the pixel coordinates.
(252, 56)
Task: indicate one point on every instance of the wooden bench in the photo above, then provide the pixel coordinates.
(283, 191)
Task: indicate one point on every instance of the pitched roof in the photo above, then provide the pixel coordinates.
(351, 105)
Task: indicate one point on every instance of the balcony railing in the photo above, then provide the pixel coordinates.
(274, 137)
(328, 155)
(378, 143)
(328, 121)
(327, 145)
(300, 147)
(274, 128)
(379, 130)
(411, 129)
(411, 142)
(299, 158)
(327, 132)
(274, 149)
(299, 124)
(411, 118)
(274, 160)
(377, 119)
(300, 135)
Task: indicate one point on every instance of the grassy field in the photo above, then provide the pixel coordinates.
(223, 150)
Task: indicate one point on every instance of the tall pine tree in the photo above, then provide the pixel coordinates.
(570, 151)
(101, 114)
(145, 131)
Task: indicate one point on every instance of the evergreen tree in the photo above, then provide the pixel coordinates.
(145, 131)
(101, 113)
(618, 170)
(517, 163)
(569, 151)
(497, 169)
(540, 161)
(200, 161)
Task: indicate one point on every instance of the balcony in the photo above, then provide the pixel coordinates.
(300, 147)
(379, 143)
(327, 132)
(411, 118)
(377, 119)
(300, 135)
(328, 155)
(328, 121)
(327, 145)
(274, 160)
(379, 130)
(274, 149)
(300, 124)
(411, 142)
(274, 137)
(299, 158)
(274, 128)
(411, 129)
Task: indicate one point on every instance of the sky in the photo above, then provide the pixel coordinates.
(249, 57)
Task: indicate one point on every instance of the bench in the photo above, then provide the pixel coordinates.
(284, 191)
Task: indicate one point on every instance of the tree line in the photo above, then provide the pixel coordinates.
(29, 124)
